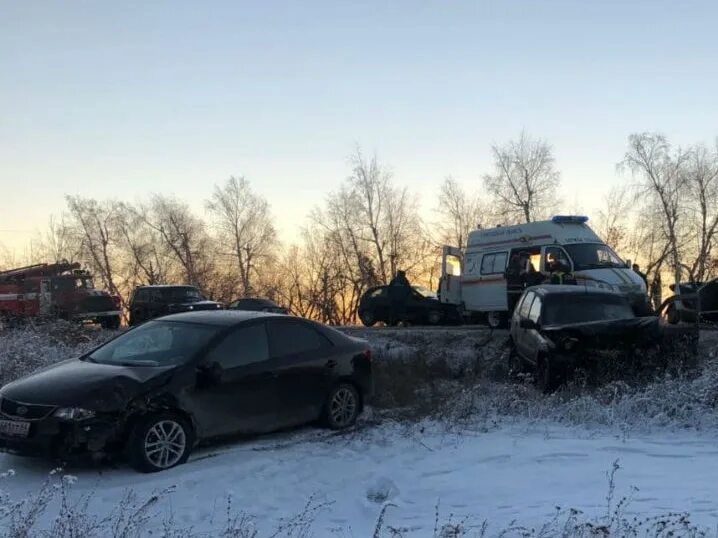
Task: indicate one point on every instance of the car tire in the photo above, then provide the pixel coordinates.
(546, 375)
(367, 318)
(111, 323)
(434, 317)
(342, 407)
(496, 320)
(515, 364)
(170, 431)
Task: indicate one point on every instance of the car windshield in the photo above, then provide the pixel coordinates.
(593, 256)
(187, 295)
(156, 343)
(575, 308)
(425, 292)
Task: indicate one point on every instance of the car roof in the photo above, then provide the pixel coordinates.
(545, 290)
(224, 318)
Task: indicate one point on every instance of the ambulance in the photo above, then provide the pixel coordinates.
(475, 279)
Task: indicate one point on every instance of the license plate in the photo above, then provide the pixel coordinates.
(14, 429)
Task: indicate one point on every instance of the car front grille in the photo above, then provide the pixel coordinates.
(25, 411)
(97, 303)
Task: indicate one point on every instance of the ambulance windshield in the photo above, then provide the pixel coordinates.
(593, 256)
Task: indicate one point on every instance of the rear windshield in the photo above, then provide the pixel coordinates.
(182, 294)
(593, 256)
(155, 343)
(575, 308)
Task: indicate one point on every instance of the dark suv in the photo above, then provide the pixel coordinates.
(418, 305)
(149, 302)
(557, 329)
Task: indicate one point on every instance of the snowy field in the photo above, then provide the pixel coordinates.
(515, 473)
(495, 454)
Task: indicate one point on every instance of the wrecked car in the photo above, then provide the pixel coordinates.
(155, 391)
(557, 331)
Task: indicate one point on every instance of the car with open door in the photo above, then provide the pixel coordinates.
(155, 391)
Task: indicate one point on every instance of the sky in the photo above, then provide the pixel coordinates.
(123, 99)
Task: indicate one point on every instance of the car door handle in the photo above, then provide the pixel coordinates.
(331, 363)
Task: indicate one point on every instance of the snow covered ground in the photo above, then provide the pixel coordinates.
(520, 472)
(493, 451)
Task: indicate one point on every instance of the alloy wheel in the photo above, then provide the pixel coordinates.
(165, 443)
(343, 407)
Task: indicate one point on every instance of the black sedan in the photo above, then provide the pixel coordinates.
(155, 391)
(257, 305)
(409, 304)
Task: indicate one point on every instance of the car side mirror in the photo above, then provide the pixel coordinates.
(628, 264)
(527, 324)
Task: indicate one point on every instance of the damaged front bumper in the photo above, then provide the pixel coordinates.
(53, 438)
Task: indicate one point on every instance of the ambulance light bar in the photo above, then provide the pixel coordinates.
(569, 219)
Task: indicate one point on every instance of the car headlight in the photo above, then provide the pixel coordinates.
(73, 413)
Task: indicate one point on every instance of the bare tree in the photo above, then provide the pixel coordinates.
(525, 180)
(659, 171)
(458, 214)
(243, 220)
(144, 255)
(701, 198)
(614, 219)
(93, 226)
(183, 235)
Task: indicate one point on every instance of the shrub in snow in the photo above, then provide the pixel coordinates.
(36, 345)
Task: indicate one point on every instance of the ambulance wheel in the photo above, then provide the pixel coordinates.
(496, 320)
(434, 317)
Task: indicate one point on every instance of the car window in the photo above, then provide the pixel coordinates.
(556, 257)
(156, 343)
(141, 296)
(245, 345)
(290, 337)
(492, 264)
(526, 305)
(380, 292)
(535, 312)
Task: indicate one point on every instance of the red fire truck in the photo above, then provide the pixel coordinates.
(61, 290)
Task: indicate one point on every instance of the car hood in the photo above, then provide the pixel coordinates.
(77, 383)
(622, 331)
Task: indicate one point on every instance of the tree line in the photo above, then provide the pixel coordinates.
(664, 214)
